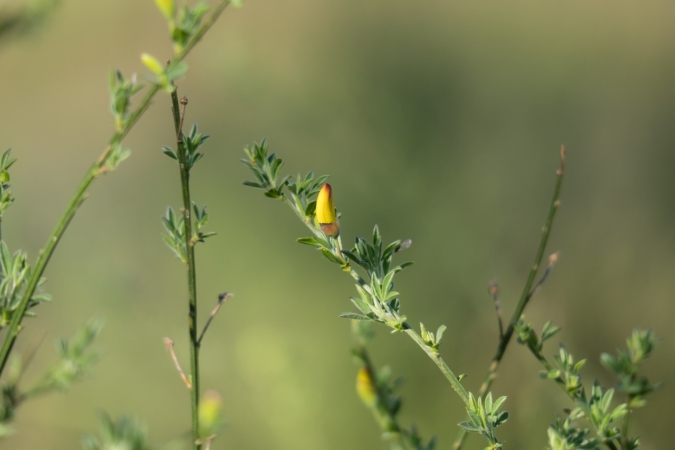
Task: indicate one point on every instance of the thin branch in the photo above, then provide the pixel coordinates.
(81, 194)
(168, 343)
(493, 289)
(207, 441)
(526, 294)
(221, 299)
(551, 262)
(183, 103)
(191, 266)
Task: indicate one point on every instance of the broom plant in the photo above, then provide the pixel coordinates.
(370, 264)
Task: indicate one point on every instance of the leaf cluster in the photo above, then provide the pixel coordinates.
(564, 435)
(626, 364)
(122, 89)
(186, 156)
(485, 417)
(115, 157)
(75, 360)
(175, 233)
(186, 24)
(126, 433)
(377, 300)
(6, 199)
(594, 407)
(191, 143)
(14, 275)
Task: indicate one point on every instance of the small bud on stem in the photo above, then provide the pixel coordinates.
(325, 212)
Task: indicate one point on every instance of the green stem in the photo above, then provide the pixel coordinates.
(191, 269)
(436, 358)
(96, 170)
(626, 423)
(525, 296)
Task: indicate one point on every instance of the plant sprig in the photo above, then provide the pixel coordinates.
(183, 232)
(75, 361)
(594, 407)
(377, 301)
(121, 92)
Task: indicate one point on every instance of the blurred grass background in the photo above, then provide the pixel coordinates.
(439, 121)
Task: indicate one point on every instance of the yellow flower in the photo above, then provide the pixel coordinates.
(325, 212)
(210, 414)
(365, 387)
(166, 7)
(152, 64)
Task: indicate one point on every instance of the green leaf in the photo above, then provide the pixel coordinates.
(468, 426)
(354, 316)
(331, 257)
(439, 333)
(498, 403)
(314, 242)
(311, 208)
(361, 305)
(405, 265)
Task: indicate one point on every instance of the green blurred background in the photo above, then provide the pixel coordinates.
(439, 121)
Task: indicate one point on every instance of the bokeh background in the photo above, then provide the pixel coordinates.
(439, 121)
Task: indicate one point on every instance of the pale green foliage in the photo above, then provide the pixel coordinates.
(565, 436)
(76, 358)
(193, 141)
(175, 236)
(14, 275)
(15, 272)
(121, 91)
(186, 157)
(595, 408)
(187, 23)
(6, 199)
(74, 362)
(124, 434)
(627, 364)
(485, 417)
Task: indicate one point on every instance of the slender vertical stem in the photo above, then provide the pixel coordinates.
(525, 296)
(626, 424)
(191, 268)
(81, 194)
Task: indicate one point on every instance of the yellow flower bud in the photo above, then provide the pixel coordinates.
(210, 414)
(365, 387)
(167, 8)
(152, 64)
(325, 212)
